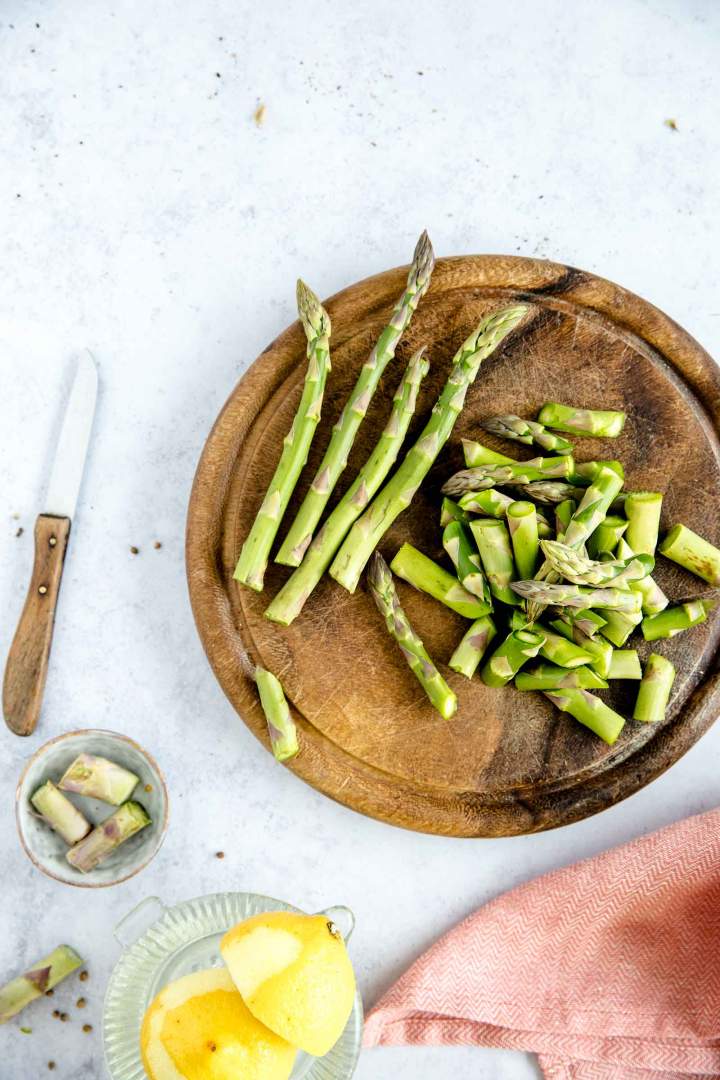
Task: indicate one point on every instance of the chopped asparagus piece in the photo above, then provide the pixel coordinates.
(562, 652)
(523, 527)
(489, 503)
(552, 677)
(40, 978)
(451, 511)
(625, 664)
(693, 552)
(476, 454)
(606, 537)
(463, 554)
(590, 711)
(589, 622)
(127, 820)
(60, 814)
(653, 598)
(529, 432)
(586, 472)
(602, 423)
(281, 728)
(253, 560)
(578, 569)
(98, 778)
(399, 627)
(399, 491)
(619, 625)
(601, 651)
(473, 647)
(426, 576)
(563, 515)
(519, 472)
(517, 648)
(654, 690)
(577, 596)
(673, 620)
(642, 509)
(493, 543)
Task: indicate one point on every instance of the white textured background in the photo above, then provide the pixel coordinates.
(143, 214)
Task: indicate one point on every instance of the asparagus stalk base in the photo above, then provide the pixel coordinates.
(552, 677)
(517, 648)
(472, 648)
(281, 728)
(98, 778)
(590, 711)
(426, 576)
(43, 976)
(654, 690)
(127, 820)
(60, 814)
(693, 552)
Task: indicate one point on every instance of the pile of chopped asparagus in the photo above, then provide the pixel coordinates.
(95, 778)
(548, 553)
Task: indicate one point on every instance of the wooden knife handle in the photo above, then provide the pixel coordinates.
(27, 662)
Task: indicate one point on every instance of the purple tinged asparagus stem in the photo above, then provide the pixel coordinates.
(60, 814)
(281, 728)
(255, 553)
(382, 588)
(37, 980)
(127, 820)
(473, 647)
(343, 434)
(98, 778)
(399, 492)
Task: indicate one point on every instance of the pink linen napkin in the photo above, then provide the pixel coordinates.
(609, 970)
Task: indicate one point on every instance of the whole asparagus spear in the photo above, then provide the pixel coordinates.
(40, 978)
(281, 727)
(574, 567)
(399, 627)
(291, 599)
(529, 432)
(520, 472)
(398, 493)
(251, 566)
(577, 596)
(603, 423)
(343, 434)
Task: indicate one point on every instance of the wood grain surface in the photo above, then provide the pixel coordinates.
(27, 662)
(508, 763)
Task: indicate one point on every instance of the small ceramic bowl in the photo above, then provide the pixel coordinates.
(47, 850)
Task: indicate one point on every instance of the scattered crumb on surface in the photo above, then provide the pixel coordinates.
(134, 550)
(259, 114)
(51, 1065)
(148, 787)
(56, 1014)
(64, 1017)
(219, 854)
(49, 993)
(81, 1003)
(87, 1028)
(672, 124)
(83, 976)
(20, 531)
(157, 545)
(26, 1030)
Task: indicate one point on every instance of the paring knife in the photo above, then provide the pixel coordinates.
(27, 662)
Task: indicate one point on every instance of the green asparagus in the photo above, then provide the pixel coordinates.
(517, 648)
(654, 690)
(477, 454)
(489, 503)
(281, 727)
(343, 434)
(577, 596)
(563, 515)
(93, 849)
(619, 625)
(550, 492)
(60, 814)
(426, 576)
(385, 595)
(552, 677)
(606, 537)
(653, 598)
(601, 651)
(642, 510)
(451, 511)
(625, 664)
(291, 599)
(523, 527)
(251, 566)
(529, 432)
(519, 472)
(473, 647)
(493, 544)
(463, 554)
(579, 570)
(98, 778)
(693, 552)
(602, 423)
(563, 652)
(590, 711)
(673, 620)
(586, 471)
(43, 976)
(398, 493)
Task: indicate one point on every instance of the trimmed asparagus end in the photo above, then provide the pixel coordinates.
(654, 690)
(127, 820)
(281, 728)
(35, 982)
(98, 778)
(693, 552)
(60, 814)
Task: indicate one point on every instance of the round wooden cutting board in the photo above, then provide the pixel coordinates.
(507, 763)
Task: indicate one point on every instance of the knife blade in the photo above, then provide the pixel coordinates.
(27, 662)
